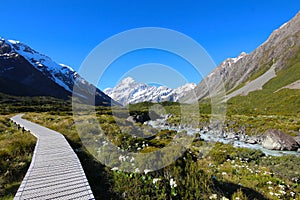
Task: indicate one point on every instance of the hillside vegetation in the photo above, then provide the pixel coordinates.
(272, 99)
(16, 104)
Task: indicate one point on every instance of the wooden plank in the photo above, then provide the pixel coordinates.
(55, 171)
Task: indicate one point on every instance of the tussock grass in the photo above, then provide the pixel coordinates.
(16, 148)
(237, 172)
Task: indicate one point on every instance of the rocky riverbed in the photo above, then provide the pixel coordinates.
(272, 142)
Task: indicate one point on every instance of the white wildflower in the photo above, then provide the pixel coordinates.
(292, 194)
(137, 170)
(146, 171)
(281, 186)
(282, 192)
(173, 183)
(270, 188)
(122, 158)
(271, 193)
(213, 196)
(224, 198)
(155, 180)
(277, 195)
(114, 169)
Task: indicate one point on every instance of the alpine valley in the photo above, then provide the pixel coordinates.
(254, 153)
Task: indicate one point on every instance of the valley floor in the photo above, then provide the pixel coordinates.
(224, 172)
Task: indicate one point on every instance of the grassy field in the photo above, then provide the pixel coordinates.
(225, 172)
(16, 148)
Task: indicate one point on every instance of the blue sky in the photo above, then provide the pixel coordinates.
(68, 31)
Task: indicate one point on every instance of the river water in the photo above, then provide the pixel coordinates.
(210, 136)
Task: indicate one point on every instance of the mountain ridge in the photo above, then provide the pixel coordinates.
(276, 51)
(128, 91)
(26, 72)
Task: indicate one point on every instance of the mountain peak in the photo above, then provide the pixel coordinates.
(129, 91)
(243, 54)
(127, 80)
(67, 66)
(31, 73)
(13, 41)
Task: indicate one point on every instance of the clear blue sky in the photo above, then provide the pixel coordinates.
(68, 30)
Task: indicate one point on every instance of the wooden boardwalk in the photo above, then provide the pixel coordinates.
(55, 171)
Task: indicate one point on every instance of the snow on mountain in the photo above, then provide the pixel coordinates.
(61, 74)
(183, 90)
(243, 54)
(128, 91)
(277, 51)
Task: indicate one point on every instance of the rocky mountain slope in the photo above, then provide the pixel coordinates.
(26, 72)
(277, 52)
(128, 91)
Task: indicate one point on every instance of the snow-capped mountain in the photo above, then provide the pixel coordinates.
(24, 71)
(128, 91)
